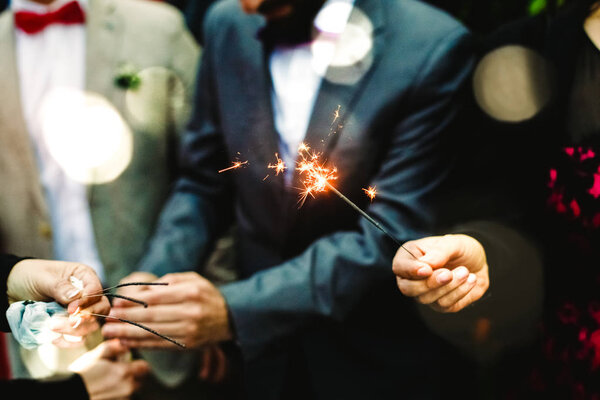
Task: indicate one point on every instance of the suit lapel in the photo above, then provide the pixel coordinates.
(256, 81)
(103, 49)
(14, 133)
(103, 30)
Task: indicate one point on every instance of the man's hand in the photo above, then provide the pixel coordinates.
(45, 280)
(190, 310)
(451, 271)
(105, 376)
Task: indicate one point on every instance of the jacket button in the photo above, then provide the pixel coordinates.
(45, 230)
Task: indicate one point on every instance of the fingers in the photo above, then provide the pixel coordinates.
(460, 275)
(139, 368)
(441, 251)
(405, 266)
(181, 287)
(414, 288)
(133, 291)
(447, 302)
(65, 291)
(157, 313)
(127, 331)
(110, 349)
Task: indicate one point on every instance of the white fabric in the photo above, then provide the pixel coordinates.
(296, 73)
(50, 60)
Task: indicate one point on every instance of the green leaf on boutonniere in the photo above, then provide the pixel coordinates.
(128, 78)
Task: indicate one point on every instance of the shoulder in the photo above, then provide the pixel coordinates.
(150, 15)
(421, 19)
(226, 16)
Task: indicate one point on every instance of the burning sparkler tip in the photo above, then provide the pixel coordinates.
(371, 192)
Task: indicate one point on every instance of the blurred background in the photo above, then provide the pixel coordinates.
(481, 16)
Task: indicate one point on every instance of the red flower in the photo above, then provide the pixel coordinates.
(568, 314)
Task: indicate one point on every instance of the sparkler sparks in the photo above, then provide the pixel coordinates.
(318, 179)
(236, 165)
(279, 166)
(371, 192)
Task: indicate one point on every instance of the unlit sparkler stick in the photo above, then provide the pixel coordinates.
(368, 217)
(120, 296)
(120, 285)
(140, 326)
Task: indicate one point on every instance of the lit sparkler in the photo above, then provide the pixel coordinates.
(371, 192)
(318, 179)
(235, 165)
(279, 166)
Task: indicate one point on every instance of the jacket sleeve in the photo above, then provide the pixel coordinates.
(6, 264)
(337, 271)
(194, 215)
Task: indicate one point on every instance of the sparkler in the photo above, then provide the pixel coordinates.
(80, 314)
(371, 192)
(236, 165)
(318, 179)
(279, 167)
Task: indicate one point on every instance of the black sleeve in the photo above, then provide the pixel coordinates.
(6, 264)
(71, 388)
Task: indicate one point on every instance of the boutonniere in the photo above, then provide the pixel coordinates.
(127, 77)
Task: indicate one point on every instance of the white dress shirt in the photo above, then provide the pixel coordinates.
(296, 73)
(50, 60)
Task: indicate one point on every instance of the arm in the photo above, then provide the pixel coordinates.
(187, 226)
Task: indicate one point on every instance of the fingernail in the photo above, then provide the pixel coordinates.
(472, 278)
(424, 271)
(444, 277)
(461, 273)
(73, 293)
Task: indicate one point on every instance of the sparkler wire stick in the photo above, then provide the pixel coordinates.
(368, 217)
(120, 285)
(120, 296)
(141, 326)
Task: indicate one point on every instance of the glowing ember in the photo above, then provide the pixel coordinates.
(279, 166)
(317, 176)
(236, 164)
(336, 114)
(371, 192)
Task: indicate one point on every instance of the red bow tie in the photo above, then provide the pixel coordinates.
(32, 23)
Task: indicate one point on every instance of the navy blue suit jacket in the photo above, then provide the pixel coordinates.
(317, 311)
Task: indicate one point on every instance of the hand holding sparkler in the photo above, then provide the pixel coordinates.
(450, 273)
(191, 310)
(45, 280)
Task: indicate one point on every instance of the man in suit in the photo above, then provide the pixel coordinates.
(317, 314)
(121, 68)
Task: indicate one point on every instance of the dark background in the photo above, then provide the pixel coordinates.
(481, 16)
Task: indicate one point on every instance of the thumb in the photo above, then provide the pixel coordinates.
(65, 292)
(441, 253)
(111, 349)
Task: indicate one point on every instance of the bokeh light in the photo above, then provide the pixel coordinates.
(513, 83)
(342, 49)
(86, 135)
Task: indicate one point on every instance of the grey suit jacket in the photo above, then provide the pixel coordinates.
(318, 313)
